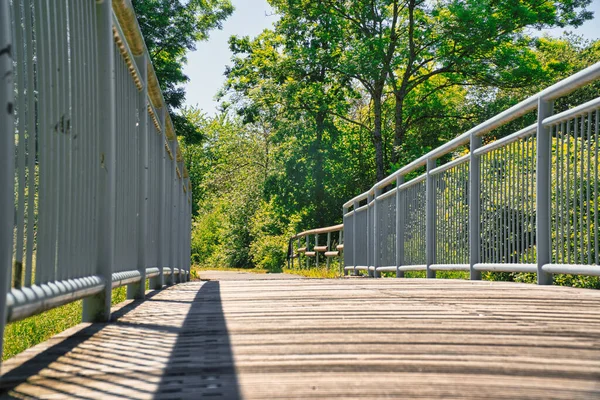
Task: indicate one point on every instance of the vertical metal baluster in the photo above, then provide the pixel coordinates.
(520, 214)
(576, 200)
(511, 202)
(568, 192)
(596, 194)
(581, 178)
(41, 62)
(505, 200)
(19, 191)
(527, 200)
(7, 154)
(588, 184)
(138, 291)
(400, 226)
(94, 144)
(581, 204)
(75, 111)
(563, 135)
(66, 267)
(558, 195)
(97, 308)
(31, 147)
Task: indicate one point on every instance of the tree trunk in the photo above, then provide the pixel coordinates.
(318, 172)
(399, 127)
(377, 137)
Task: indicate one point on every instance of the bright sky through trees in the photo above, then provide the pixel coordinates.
(206, 65)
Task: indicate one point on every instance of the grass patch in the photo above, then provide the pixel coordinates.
(21, 335)
(196, 269)
(314, 272)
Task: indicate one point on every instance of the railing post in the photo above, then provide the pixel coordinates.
(430, 219)
(307, 249)
(157, 282)
(316, 252)
(354, 207)
(376, 255)
(474, 209)
(340, 257)
(171, 188)
(97, 308)
(369, 234)
(400, 221)
(7, 154)
(299, 254)
(328, 247)
(138, 290)
(543, 171)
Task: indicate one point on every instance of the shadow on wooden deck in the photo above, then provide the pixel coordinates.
(175, 344)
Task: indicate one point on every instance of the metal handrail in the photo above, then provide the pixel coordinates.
(331, 249)
(536, 194)
(555, 91)
(100, 196)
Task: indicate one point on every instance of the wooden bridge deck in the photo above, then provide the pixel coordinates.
(347, 338)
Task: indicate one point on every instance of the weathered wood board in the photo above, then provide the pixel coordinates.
(347, 338)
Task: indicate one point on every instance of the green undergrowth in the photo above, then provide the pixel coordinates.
(21, 335)
(196, 270)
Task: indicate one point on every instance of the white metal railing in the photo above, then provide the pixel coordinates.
(95, 194)
(527, 202)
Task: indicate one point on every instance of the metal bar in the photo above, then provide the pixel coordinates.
(543, 172)
(568, 160)
(138, 291)
(575, 269)
(575, 230)
(560, 193)
(97, 308)
(31, 150)
(581, 204)
(596, 194)
(588, 184)
(7, 154)
(376, 229)
(316, 252)
(400, 226)
(328, 247)
(503, 267)
(474, 208)
(355, 205)
(430, 220)
(20, 157)
(30, 301)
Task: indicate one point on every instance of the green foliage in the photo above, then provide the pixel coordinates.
(340, 92)
(171, 28)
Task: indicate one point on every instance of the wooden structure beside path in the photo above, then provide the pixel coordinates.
(273, 338)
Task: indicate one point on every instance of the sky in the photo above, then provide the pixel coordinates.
(206, 65)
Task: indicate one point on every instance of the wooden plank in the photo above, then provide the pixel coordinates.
(271, 337)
